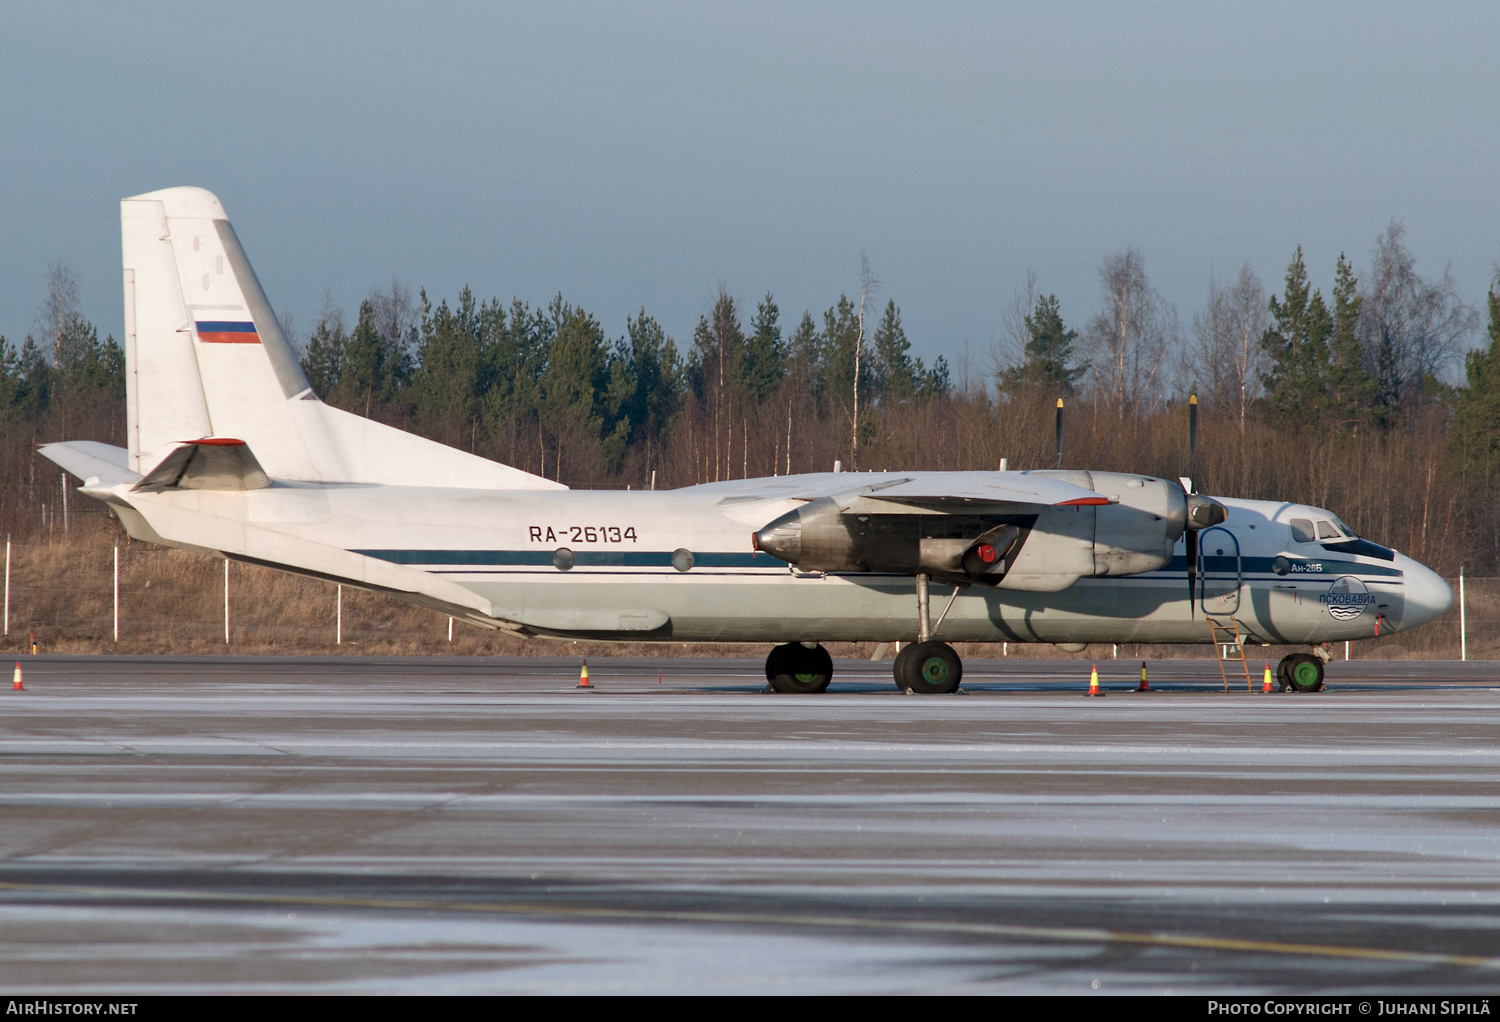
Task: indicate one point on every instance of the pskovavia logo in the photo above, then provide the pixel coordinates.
(1347, 598)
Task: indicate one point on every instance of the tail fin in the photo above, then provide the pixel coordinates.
(205, 357)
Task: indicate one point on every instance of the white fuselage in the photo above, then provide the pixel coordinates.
(678, 565)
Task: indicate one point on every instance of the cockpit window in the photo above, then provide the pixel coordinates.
(1327, 531)
(1344, 527)
(1302, 530)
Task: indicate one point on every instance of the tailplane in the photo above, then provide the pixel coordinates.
(206, 358)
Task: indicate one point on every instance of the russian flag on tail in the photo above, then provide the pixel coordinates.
(226, 332)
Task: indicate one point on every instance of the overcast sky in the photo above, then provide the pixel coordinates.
(640, 154)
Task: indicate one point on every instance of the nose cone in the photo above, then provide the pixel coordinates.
(1428, 597)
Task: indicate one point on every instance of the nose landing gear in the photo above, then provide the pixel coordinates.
(1301, 672)
(927, 666)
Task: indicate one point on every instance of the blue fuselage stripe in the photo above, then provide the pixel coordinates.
(1251, 569)
(583, 558)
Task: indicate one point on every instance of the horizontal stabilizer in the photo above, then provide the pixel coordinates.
(95, 463)
(351, 449)
(214, 464)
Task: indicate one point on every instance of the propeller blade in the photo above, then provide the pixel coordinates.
(1192, 435)
(1190, 538)
(1059, 431)
(1190, 542)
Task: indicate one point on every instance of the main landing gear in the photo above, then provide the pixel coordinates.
(928, 666)
(795, 667)
(1301, 672)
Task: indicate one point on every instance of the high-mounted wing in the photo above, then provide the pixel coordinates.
(945, 489)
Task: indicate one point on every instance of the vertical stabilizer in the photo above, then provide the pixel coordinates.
(206, 358)
(211, 299)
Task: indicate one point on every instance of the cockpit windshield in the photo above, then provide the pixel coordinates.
(1323, 528)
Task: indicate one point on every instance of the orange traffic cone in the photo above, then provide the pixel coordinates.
(583, 678)
(1145, 685)
(1265, 685)
(16, 685)
(1094, 682)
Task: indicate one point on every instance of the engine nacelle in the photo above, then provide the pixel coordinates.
(872, 536)
(1047, 551)
(1138, 530)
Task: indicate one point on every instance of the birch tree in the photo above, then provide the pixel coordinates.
(1130, 337)
(1413, 327)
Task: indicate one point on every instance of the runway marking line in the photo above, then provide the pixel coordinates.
(1052, 933)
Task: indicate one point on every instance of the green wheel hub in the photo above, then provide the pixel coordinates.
(934, 670)
(1305, 674)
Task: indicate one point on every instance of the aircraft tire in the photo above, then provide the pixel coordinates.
(773, 658)
(1283, 677)
(792, 668)
(1303, 672)
(902, 665)
(931, 668)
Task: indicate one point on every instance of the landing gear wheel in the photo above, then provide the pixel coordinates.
(794, 668)
(1303, 672)
(929, 668)
(901, 667)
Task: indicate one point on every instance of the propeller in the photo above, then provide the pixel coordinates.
(1202, 512)
(1059, 432)
(1190, 537)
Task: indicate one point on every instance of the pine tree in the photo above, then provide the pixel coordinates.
(1296, 343)
(804, 358)
(762, 363)
(1049, 350)
(455, 357)
(1474, 438)
(894, 374)
(935, 382)
(323, 357)
(574, 384)
(646, 384)
(371, 366)
(1353, 388)
(836, 350)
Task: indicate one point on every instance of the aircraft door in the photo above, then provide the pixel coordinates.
(1218, 572)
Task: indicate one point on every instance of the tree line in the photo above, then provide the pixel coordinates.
(1339, 401)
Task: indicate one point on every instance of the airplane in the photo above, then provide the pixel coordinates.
(230, 453)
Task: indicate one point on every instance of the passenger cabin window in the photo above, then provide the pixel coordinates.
(1327, 531)
(1302, 530)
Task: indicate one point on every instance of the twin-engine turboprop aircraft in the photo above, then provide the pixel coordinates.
(231, 454)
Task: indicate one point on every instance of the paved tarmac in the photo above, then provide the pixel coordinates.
(224, 824)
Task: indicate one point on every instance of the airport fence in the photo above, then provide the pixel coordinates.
(62, 594)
